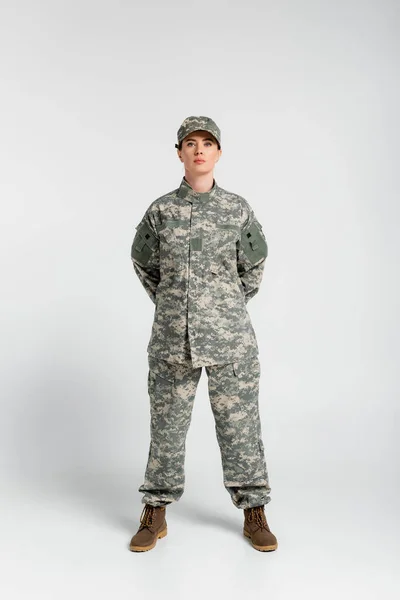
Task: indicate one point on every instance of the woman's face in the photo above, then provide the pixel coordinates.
(199, 146)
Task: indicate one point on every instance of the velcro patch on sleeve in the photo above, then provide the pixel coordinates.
(143, 244)
(254, 243)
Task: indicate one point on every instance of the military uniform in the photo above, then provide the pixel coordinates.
(200, 258)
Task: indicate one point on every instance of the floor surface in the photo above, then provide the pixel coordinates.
(70, 538)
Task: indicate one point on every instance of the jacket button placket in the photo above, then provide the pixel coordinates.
(195, 279)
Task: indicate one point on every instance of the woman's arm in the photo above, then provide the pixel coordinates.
(145, 255)
(252, 251)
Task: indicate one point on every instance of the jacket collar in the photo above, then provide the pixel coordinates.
(186, 191)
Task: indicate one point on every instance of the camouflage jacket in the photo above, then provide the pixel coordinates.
(200, 258)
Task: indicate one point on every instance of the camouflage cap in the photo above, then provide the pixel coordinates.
(201, 123)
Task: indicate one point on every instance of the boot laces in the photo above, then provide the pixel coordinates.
(147, 516)
(256, 515)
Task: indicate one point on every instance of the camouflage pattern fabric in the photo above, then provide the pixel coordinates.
(233, 391)
(191, 124)
(200, 258)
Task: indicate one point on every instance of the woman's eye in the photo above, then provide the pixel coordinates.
(206, 144)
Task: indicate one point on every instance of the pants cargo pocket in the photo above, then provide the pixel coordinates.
(161, 368)
(223, 380)
(161, 389)
(248, 370)
(161, 378)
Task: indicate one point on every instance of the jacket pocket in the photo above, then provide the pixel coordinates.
(224, 266)
(172, 259)
(226, 234)
(215, 267)
(226, 287)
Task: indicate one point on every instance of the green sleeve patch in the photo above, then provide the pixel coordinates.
(254, 244)
(143, 244)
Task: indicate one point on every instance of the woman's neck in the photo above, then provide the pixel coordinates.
(200, 183)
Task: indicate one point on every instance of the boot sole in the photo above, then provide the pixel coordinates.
(261, 548)
(145, 548)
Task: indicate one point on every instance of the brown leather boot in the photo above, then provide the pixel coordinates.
(256, 528)
(152, 527)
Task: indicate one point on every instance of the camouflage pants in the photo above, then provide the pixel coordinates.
(233, 391)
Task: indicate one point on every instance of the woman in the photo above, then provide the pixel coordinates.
(199, 252)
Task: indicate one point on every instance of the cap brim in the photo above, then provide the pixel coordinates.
(201, 129)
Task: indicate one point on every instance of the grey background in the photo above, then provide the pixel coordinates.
(91, 96)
